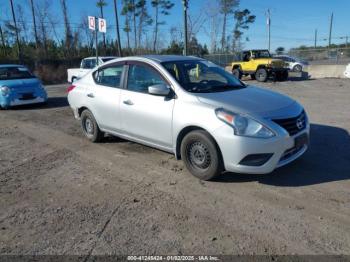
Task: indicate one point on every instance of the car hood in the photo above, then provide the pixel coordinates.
(252, 101)
(21, 84)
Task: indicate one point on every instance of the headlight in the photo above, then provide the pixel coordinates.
(243, 126)
(4, 90)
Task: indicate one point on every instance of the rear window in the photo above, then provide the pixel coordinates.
(88, 63)
(15, 72)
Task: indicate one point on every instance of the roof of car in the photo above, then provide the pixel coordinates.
(11, 65)
(170, 58)
(101, 57)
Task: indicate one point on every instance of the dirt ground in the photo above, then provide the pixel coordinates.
(60, 194)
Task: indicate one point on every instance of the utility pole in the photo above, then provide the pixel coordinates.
(315, 38)
(96, 33)
(101, 4)
(330, 32)
(2, 39)
(16, 29)
(185, 4)
(117, 28)
(269, 28)
(34, 24)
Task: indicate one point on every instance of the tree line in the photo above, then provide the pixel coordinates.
(43, 36)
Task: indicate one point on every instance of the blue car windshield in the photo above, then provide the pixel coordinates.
(14, 72)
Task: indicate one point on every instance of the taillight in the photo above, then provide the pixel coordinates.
(70, 88)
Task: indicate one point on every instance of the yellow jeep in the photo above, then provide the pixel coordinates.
(260, 66)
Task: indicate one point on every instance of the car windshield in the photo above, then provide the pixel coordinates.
(202, 76)
(261, 54)
(15, 72)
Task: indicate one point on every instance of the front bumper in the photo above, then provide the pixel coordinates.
(18, 99)
(235, 148)
(18, 102)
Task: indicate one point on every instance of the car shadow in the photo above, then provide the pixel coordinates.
(52, 102)
(326, 160)
(110, 139)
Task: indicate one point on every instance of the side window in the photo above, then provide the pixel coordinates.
(246, 56)
(140, 77)
(109, 76)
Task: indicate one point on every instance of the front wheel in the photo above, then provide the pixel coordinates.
(237, 73)
(201, 155)
(90, 127)
(261, 75)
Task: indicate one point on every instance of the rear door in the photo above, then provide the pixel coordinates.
(104, 96)
(145, 116)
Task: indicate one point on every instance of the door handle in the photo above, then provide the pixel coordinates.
(128, 102)
(91, 95)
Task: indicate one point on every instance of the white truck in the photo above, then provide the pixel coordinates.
(85, 66)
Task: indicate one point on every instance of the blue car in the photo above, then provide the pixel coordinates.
(18, 86)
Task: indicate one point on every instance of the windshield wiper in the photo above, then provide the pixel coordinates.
(225, 87)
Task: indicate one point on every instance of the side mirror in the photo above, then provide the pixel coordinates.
(159, 90)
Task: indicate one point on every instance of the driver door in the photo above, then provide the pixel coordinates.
(145, 116)
(247, 61)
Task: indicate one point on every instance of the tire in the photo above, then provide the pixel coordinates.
(90, 127)
(297, 68)
(237, 73)
(201, 155)
(284, 76)
(261, 75)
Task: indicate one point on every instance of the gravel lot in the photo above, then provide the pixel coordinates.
(60, 194)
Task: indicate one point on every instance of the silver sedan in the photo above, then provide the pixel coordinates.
(194, 109)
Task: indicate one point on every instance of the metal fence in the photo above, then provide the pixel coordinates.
(323, 56)
(313, 56)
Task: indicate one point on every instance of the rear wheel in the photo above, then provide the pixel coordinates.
(237, 73)
(261, 75)
(90, 127)
(201, 155)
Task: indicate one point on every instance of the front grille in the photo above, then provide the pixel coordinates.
(292, 125)
(27, 96)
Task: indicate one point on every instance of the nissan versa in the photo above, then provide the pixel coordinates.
(194, 109)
